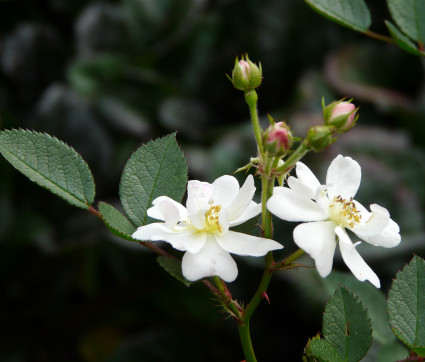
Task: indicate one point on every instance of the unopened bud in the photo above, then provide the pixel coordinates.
(278, 139)
(320, 137)
(341, 114)
(246, 75)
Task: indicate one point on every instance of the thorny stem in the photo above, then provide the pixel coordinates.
(267, 180)
(226, 297)
(285, 263)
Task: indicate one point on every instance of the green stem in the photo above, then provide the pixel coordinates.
(226, 297)
(288, 261)
(251, 99)
(377, 36)
(267, 181)
(245, 337)
(294, 158)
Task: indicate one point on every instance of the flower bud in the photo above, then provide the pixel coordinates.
(340, 114)
(246, 75)
(278, 139)
(320, 137)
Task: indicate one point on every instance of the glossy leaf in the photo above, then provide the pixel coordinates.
(409, 15)
(406, 305)
(353, 14)
(116, 222)
(49, 163)
(155, 169)
(402, 40)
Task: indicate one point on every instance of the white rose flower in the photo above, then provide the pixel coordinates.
(202, 227)
(328, 211)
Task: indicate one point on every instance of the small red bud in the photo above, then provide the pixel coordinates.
(278, 139)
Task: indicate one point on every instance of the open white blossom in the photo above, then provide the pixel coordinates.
(202, 227)
(328, 211)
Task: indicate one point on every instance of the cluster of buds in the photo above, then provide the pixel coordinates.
(246, 76)
(339, 117)
(277, 139)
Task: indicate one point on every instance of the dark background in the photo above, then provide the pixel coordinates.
(107, 76)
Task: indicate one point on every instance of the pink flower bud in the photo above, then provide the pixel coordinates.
(246, 75)
(341, 115)
(342, 109)
(278, 139)
(244, 65)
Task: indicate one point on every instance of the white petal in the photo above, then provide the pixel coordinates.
(180, 239)
(251, 211)
(225, 190)
(307, 178)
(354, 261)
(387, 238)
(156, 213)
(343, 177)
(242, 199)
(318, 240)
(243, 244)
(374, 225)
(210, 261)
(300, 188)
(224, 220)
(290, 206)
(199, 198)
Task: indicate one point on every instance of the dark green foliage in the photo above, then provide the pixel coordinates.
(347, 333)
(155, 169)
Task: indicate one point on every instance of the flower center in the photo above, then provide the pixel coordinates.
(212, 219)
(344, 212)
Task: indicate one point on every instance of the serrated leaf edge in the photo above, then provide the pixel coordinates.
(174, 134)
(415, 257)
(55, 139)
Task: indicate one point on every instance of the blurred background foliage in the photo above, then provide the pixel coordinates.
(107, 76)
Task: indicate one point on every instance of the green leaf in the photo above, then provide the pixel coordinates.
(116, 222)
(402, 40)
(346, 325)
(353, 14)
(174, 267)
(373, 299)
(406, 305)
(322, 350)
(394, 351)
(49, 163)
(409, 15)
(155, 169)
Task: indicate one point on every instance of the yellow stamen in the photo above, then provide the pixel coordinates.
(344, 212)
(212, 219)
